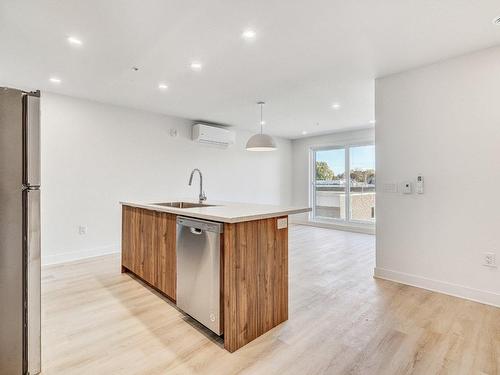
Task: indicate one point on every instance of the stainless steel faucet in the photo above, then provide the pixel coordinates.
(202, 195)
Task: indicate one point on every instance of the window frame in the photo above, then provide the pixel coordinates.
(312, 184)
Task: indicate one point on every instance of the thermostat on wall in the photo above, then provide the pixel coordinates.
(420, 184)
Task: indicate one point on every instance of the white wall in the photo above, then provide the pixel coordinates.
(94, 155)
(442, 121)
(301, 165)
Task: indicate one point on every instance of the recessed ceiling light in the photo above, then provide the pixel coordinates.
(496, 20)
(304, 132)
(249, 34)
(55, 80)
(74, 41)
(336, 106)
(162, 86)
(372, 122)
(196, 66)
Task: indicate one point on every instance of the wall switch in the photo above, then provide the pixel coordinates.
(282, 223)
(390, 187)
(407, 187)
(490, 260)
(82, 229)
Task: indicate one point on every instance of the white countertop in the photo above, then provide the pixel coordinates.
(226, 212)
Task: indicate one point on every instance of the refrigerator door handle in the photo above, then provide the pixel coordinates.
(31, 139)
(33, 280)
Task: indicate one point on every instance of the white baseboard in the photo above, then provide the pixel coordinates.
(77, 255)
(349, 228)
(476, 295)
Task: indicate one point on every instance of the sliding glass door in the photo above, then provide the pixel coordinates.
(329, 184)
(362, 183)
(343, 184)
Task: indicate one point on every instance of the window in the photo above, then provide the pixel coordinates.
(341, 196)
(329, 194)
(362, 183)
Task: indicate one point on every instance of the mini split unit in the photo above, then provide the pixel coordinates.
(212, 135)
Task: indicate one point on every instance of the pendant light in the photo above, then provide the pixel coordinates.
(261, 141)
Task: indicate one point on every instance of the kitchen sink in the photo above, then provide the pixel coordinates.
(182, 204)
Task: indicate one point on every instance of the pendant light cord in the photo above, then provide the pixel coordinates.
(261, 117)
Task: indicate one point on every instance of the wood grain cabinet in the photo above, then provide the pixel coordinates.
(254, 268)
(255, 280)
(148, 247)
(165, 254)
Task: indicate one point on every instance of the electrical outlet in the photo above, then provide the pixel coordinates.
(490, 260)
(82, 229)
(282, 223)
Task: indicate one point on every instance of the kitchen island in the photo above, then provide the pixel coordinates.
(253, 259)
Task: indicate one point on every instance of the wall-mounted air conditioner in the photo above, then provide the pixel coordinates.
(213, 135)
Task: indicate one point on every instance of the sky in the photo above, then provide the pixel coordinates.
(362, 157)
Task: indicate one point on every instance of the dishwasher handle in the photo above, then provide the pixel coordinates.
(196, 230)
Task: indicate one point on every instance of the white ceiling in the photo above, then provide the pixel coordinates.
(307, 54)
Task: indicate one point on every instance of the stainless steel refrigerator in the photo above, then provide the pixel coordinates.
(19, 232)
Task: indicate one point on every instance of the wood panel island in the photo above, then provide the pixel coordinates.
(253, 259)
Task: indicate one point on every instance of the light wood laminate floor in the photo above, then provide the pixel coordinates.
(342, 321)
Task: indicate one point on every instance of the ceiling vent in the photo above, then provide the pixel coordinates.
(212, 135)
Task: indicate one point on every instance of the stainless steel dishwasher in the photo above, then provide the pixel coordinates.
(198, 270)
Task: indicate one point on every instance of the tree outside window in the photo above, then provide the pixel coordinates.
(323, 171)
